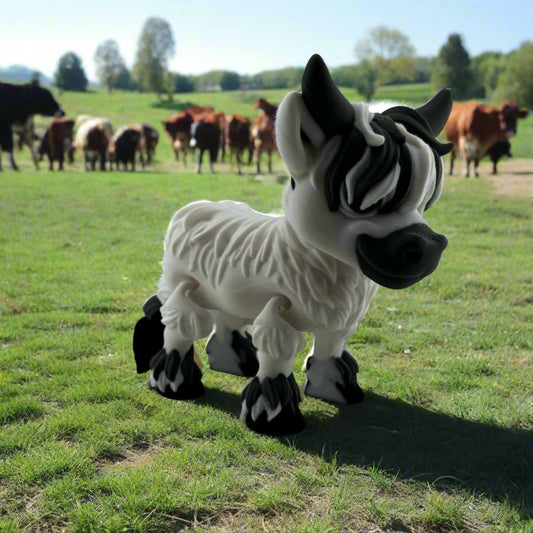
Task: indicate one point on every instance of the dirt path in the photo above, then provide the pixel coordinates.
(515, 177)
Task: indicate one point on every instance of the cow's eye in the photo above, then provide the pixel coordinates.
(293, 184)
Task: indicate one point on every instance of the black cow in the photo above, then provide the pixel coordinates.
(205, 135)
(497, 151)
(124, 145)
(17, 103)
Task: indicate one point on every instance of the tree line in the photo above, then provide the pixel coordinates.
(385, 57)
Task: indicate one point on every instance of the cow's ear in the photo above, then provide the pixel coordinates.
(298, 136)
(523, 113)
(437, 110)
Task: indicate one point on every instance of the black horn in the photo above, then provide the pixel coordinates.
(437, 110)
(328, 106)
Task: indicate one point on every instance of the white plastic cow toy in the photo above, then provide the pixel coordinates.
(354, 220)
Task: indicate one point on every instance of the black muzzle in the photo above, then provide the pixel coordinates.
(402, 258)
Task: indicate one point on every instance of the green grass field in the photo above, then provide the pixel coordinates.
(443, 441)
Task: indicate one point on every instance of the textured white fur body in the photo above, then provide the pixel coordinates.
(240, 259)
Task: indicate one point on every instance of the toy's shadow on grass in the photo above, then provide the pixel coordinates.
(415, 443)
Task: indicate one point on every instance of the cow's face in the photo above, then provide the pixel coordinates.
(167, 127)
(44, 103)
(508, 115)
(177, 125)
(360, 196)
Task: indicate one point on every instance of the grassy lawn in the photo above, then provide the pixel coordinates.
(443, 441)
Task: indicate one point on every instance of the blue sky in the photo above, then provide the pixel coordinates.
(251, 36)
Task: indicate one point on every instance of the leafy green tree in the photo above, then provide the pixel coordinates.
(344, 76)
(209, 81)
(422, 70)
(183, 84)
(366, 79)
(486, 71)
(452, 67)
(156, 46)
(109, 63)
(70, 75)
(124, 80)
(278, 79)
(386, 56)
(230, 81)
(516, 83)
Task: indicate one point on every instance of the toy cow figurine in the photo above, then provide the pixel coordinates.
(360, 183)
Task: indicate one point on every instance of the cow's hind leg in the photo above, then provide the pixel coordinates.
(257, 154)
(7, 144)
(230, 348)
(332, 371)
(269, 403)
(12, 161)
(175, 372)
(476, 167)
(200, 159)
(212, 159)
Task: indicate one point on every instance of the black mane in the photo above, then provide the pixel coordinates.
(382, 159)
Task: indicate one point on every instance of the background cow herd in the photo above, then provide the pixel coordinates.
(192, 130)
(475, 129)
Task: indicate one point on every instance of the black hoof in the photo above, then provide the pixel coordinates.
(348, 386)
(334, 379)
(170, 368)
(148, 335)
(280, 391)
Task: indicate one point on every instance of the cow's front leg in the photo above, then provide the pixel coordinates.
(12, 161)
(176, 373)
(452, 160)
(332, 371)
(467, 168)
(269, 403)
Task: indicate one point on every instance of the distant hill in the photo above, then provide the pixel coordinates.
(22, 74)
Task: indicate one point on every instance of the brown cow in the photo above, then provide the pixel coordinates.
(92, 139)
(263, 132)
(56, 141)
(475, 128)
(178, 128)
(151, 138)
(238, 139)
